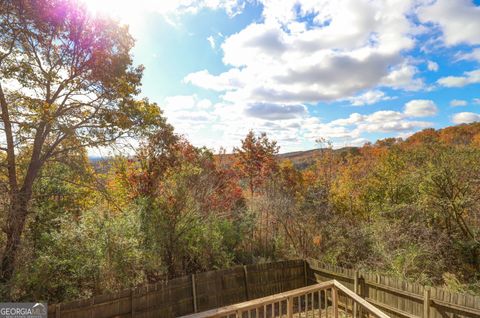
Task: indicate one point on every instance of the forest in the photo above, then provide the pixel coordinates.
(73, 227)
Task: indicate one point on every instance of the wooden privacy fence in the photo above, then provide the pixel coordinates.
(214, 289)
(318, 300)
(190, 294)
(397, 297)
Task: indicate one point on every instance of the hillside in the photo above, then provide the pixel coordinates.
(303, 159)
(464, 134)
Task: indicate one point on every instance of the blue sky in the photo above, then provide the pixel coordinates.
(350, 71)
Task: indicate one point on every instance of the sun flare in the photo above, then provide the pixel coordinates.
(125, 10)
(132, 10)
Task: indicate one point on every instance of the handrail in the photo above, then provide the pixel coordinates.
(231, 309)
(288, 297)
(365, 304)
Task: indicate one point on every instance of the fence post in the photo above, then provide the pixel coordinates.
(57, 311)
(132, 303)
(335, 302)
(363, 293)
(92, 303)
(426, 302)
(194, 293)
(289, 307)
(305, 272)
(245, 276)
(355, 290)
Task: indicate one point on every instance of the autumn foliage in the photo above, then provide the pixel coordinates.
(75, 226)
(255, 159)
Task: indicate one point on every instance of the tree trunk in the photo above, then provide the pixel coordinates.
(170, 262)
(17, 215)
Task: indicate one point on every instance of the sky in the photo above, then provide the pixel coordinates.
(349, 71)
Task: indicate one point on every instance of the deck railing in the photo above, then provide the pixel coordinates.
(328, 299)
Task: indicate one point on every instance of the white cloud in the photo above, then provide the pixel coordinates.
(465, 118)
(128, 11)
(230, 80)
(187, 112)
(179, 102)
(291, 125)
(402, 77)
(368, 98)
(232, 7)
(357, 142)
(185, 102)
(473, 55)
(476, 100)
(420, 108)
(204, 104)
(405, 135)
(275, 112)
(211, 41)
(459, 20)
(458, 102)
(354, 126)
(282, 124)
(196, 116)
(471, 77)
(432, 66)
(349, 50)
(395, 126)
(352, 46)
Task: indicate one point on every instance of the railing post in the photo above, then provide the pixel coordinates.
(335, 302)
(289, 307)
(57, 311)
(426, 302)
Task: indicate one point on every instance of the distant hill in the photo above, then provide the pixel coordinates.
(454, 135)
(303, 159)
(464, 134)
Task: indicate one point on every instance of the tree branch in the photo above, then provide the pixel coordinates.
(11, 160)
